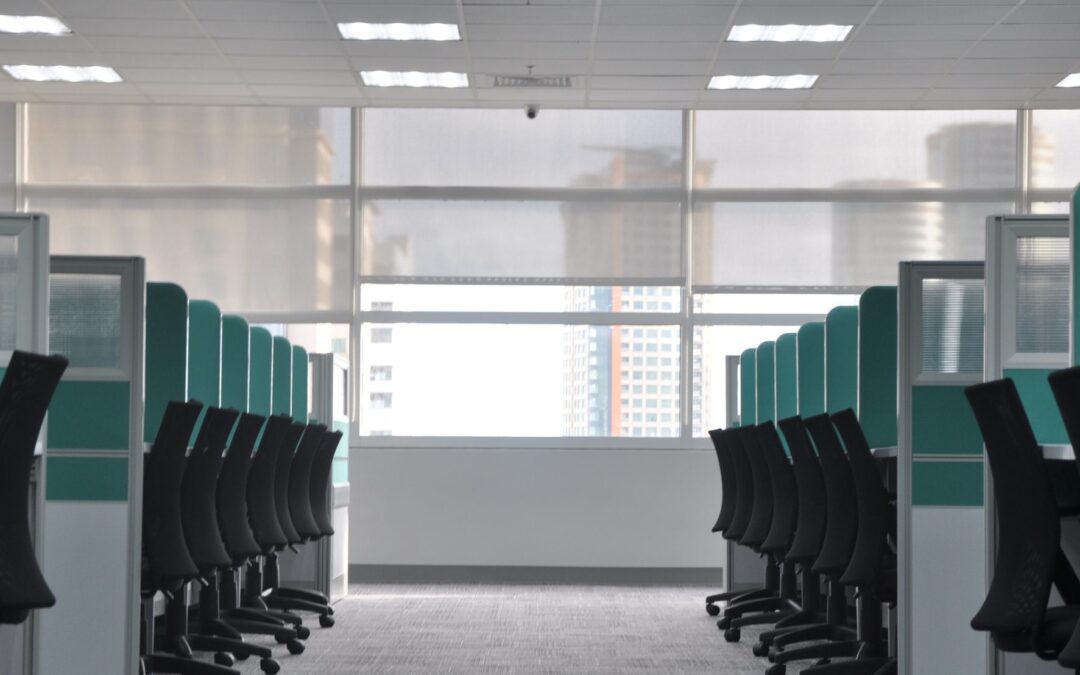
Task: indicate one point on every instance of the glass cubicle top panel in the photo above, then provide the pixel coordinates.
(85, 319)
(952, 326)
(9, 290)
(1042, 295)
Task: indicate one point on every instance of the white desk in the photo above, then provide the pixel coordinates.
(887, 452)
(1058, 453)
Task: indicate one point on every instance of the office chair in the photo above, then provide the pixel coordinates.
(1015, 610)
(167, 563)
(29, 383)
(729, 488)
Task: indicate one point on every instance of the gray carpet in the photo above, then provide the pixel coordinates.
(421, 629)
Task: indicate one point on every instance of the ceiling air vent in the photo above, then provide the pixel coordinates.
(547, 81)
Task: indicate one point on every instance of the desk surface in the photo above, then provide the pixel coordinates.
(887, 452)
(1058, 452)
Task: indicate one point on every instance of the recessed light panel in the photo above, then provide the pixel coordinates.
(791, 32)
(438, 32)
(64, 73)
(413, 78)
(41, 25)
(1070, 81)
(762, 81)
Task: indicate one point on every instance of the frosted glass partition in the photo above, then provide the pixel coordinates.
(85, 319)
(1042, 295)
(952, 325)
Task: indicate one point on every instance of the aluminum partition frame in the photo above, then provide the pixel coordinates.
(323, 367)
(999, 341)
(31, 233)
(911, 277)
(132, 274)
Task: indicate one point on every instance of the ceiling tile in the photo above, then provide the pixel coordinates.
(255, 10)
(270, 30)
(445, 12)
(136, 27)
(120, 9)
(526, 15)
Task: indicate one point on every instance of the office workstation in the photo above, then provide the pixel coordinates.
(569, 336)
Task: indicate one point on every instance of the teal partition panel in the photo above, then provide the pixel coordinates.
(281, 391)
(166, 352)
(204, 357)
(787, 366)
(811, 368)
(235, 348)
(766, 381)
(300, 383)
(878, 365)
(841, 359)
(1039, 403)
(748, 387)
(261, 367)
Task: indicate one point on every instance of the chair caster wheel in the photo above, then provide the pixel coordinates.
(776, 669)
(326, 621)
(225, 659)
(283, 640)
(732, 634)
(303, 632)
(330, 611)
(295, 647)
(712, 610)
(269, 666)
(242, 657)
(761, 649)
(724, 623)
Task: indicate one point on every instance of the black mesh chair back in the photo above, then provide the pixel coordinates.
(744, 494)
(322, 483)
(232, 507)
(727, 481)
(29, 383)
(873, 503)
(1066, 387)
(262, 506)
(300, 483)
(810, 485)
(169, 562)
(1028, 527)
(200, 486)
(761, 517)
(785, 497)
(841, 518)
(286, 452)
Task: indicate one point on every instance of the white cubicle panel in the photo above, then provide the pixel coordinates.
(329, 390)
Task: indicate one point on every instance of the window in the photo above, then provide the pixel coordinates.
(382, 373)
(382, 335)
(382, 400)
(1055, 149)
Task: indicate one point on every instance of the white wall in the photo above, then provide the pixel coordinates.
(562, 508)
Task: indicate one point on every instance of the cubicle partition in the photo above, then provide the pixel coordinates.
(940, 469)
(329, 405)
(748, 387)
(765, 375)
(877, 364)
(787, 374)
(842, 359)
(742, 566)
(94, 480)
(24, 284)
(811, 369)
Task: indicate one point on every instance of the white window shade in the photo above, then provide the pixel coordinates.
(1055, 148)
(521, 240)
(1042, 295)
(244, 254)
(502, 148)
(952, 326)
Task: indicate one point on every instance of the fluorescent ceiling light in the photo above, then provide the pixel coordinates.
(791, 32)
(45, 25)
(762, 81)
(64, 73)
(386, 78)
(439, 32)
(1070, 81)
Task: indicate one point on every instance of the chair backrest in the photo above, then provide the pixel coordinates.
(232, 493)
(761, 517)
(1066, 387)
(29, 383)
(785, 498)
(262, 506)
(841, 517)
(286, 452)
(728, 484)
(168, 557)
(1028, 527)
(200, 487)
(810, 486)
(322, 482)
(872, 502)
(744, 495)
(300, 482)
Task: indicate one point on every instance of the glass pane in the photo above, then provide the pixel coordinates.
(244, 254)
(1050, 207)
(84, 319)
(952, 326)
(1042, 295)
(855, 149)
(203, 145)
(520, 380)
(9, 290)
(559, 149)
(521, 239)
(830, 244)
(1055, 148)
(712, 346)
(502, 298)
(772, 303)
(7, 157)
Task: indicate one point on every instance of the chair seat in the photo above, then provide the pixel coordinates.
(1054, 631)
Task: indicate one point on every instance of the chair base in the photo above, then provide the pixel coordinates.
(169, 663)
